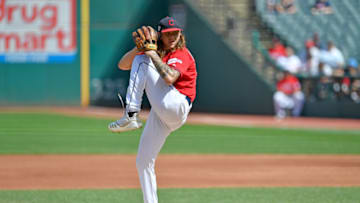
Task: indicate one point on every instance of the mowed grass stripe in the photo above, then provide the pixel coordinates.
(213, 195)
(40, 133)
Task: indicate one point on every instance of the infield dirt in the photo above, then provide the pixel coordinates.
(174, 171)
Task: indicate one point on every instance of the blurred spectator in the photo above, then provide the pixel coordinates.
(321, 7)
(277, 50)
(355, 91)
(318, 59)
(353, 67)
(291, 62)
(310, 58)
(318, 42)
(320, 87)
(288, 99)
(230, 25)
(286, 6)
(344, 88)
(323, 89)
(308, 88)
(304, 52)
(271, 6)
(341, 87)
(334, 58)
(325, 70)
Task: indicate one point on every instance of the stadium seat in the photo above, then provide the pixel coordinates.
(296, 28)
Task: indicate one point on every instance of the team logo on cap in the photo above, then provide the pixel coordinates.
(171, 22)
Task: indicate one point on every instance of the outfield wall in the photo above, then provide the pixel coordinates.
(39, 52)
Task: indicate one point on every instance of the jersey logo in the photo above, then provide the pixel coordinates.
(174, 60)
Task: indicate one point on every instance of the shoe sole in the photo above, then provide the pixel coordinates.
(124, 129)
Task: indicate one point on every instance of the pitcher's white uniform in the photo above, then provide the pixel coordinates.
(170, 87)
(170, 105)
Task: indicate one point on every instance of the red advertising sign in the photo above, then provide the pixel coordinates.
(38, 31)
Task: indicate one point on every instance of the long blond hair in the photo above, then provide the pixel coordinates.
(180, 45)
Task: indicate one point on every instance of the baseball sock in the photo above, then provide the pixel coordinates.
(131, 114)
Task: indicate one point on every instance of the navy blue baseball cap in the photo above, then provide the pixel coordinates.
(168, 24)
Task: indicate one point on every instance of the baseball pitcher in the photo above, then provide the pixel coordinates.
(164, 68)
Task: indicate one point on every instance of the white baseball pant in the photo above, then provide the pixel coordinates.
(169, 111)
(294, 102)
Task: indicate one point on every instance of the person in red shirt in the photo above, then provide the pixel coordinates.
(277, 50)
(168, 76)
(288, 97)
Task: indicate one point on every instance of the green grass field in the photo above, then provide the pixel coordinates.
(56, 134)
(213, 195)
(39, 133)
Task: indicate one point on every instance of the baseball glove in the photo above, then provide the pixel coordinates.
(145, 38)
